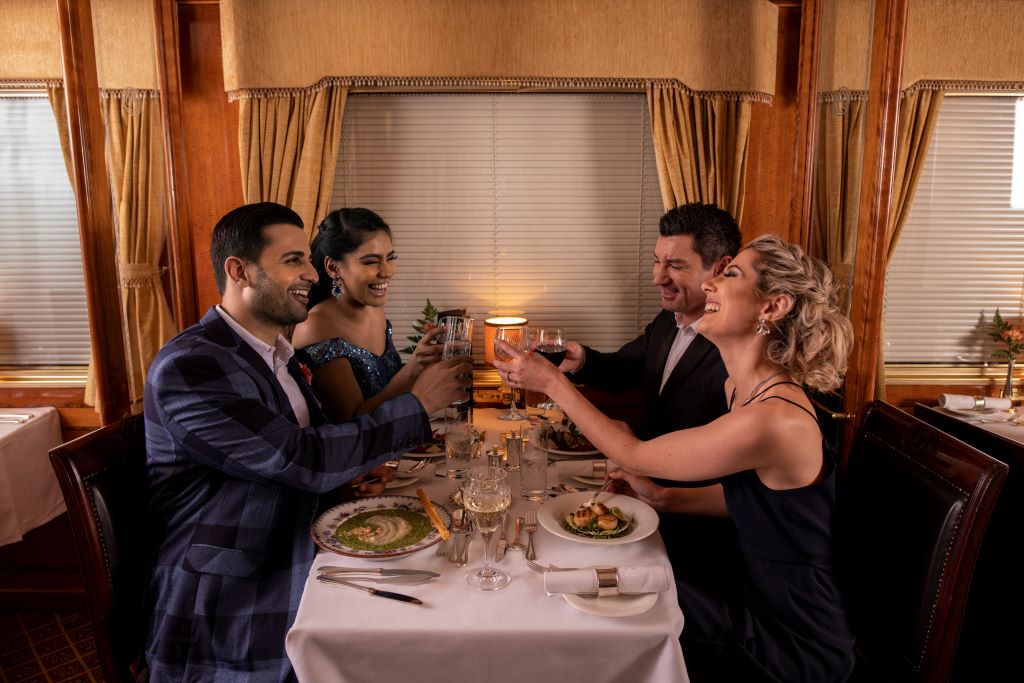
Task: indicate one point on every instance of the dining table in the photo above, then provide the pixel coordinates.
(29, 493)
(516, 634)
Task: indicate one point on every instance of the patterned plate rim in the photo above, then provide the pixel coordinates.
(339, 513)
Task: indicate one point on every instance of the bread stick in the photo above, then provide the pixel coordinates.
(435, 519)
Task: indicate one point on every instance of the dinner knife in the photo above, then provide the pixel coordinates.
(324, 578)
(377, 571)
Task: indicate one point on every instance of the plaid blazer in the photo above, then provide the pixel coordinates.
(234, 484)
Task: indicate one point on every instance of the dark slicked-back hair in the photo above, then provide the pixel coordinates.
(241, 233)
(714, 230)
(341, 232)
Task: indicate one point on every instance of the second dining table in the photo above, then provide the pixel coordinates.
(515, 634)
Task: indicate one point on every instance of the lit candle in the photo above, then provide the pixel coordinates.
(491, 326)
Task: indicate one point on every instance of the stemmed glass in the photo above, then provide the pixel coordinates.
(518, 338)
(551, 345)
(486, 497)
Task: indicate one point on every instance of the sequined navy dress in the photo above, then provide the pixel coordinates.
(372, 372)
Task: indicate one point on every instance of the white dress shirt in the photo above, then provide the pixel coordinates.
(684, 335)
(277, 358)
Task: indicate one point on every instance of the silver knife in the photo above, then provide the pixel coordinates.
(376, 571)
(379, 579)
(372, 591)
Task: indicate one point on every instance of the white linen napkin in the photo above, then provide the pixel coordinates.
(650, 579)
(960, 402)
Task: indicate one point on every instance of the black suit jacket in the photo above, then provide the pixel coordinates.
(694, 394)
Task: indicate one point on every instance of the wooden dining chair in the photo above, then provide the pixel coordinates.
(987, 645)
(912, 508)
(103, 478)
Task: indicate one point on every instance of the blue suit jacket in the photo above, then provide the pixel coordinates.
(234, 483)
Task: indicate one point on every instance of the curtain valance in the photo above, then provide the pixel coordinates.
(125, 44)
(708, 45)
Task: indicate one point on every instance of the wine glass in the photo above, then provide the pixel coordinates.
(518, 338)
(551, 345)
(486, 497)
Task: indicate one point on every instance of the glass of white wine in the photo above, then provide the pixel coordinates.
(519, 339)
(486, 497)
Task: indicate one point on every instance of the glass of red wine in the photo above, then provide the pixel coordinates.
(550, 343)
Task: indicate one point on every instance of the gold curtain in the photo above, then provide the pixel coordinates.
(700, 144)
(289, 148)
(919, 112)
(136, 165)
(838, 165)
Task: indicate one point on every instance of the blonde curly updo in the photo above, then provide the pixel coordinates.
(812, 342)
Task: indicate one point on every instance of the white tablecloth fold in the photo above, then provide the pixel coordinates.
(649, 579)
(961, 402)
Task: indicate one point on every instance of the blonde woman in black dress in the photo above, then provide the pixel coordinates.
(775, 613)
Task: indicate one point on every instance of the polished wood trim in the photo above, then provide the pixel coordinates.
(806, 123)
(179, 236)
(889, 33)
(95, 220)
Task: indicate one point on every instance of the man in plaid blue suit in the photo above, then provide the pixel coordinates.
(237, 453)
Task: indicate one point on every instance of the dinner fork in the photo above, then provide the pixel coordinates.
(531, 527)
(540, 569)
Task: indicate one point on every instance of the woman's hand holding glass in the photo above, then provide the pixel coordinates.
(427, 351)
(506, 341)
(525, 370)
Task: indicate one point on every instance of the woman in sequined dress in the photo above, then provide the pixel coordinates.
(346, 340)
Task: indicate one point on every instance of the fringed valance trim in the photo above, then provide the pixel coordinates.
(842, 95)
(29, 83)
(967, 86)
(511, 84)
(128, 93)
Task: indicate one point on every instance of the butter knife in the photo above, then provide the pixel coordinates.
(331, 569)
(324, 578)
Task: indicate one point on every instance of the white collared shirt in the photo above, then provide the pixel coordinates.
(684, 335)
(277, 358)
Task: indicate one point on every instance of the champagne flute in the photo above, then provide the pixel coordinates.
(517, 338)
(486, 497)
(551, 345)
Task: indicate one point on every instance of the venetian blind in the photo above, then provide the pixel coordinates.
(961, 254)
(43, 318)
(543, 203)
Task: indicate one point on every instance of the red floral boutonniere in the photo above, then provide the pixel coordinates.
(307, 374)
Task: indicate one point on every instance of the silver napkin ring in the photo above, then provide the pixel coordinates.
(607, 582)
(979, 402)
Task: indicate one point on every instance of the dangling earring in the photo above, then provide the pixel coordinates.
(762, 327)
(337, 288)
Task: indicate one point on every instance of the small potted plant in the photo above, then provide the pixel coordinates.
(1009, 332)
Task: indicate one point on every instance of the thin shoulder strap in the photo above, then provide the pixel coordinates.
(783, 398)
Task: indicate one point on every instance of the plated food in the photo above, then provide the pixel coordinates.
(597, 520)
(431, 448)
(643, 519)
(378, 528)
(568, 441)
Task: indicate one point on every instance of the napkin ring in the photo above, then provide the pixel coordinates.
(979, 402)
(607, 582)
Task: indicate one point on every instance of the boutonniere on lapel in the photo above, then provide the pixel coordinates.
(307, 374)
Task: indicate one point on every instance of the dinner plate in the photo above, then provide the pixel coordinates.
(552, 511)
(401, 481)
(589, 481)
(990, 413)
(327, 523)
(613, 606)
(581, 454)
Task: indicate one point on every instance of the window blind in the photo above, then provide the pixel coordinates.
(43, 318)
(543, 203)
(961, 253)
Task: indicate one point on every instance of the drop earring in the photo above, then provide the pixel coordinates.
(761, 327)
(337, 288)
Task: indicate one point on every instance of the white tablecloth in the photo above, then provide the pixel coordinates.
(517, 634)
(29, 494)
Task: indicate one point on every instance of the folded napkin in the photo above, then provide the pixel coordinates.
(959, 402)
(653, 579)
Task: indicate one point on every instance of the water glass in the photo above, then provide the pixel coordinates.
(459, 347)
(459, 442)
(533, 468)
(513, 442)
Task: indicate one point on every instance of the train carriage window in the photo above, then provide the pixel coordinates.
(961, 253)
(43, 317)
(546, 203)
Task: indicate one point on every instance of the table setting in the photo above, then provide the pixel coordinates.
(496, 588)
(995, 414)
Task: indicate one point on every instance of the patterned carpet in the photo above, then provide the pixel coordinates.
(45, 647)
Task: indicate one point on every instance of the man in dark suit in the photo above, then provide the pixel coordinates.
(680, 372)
(238, 451)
